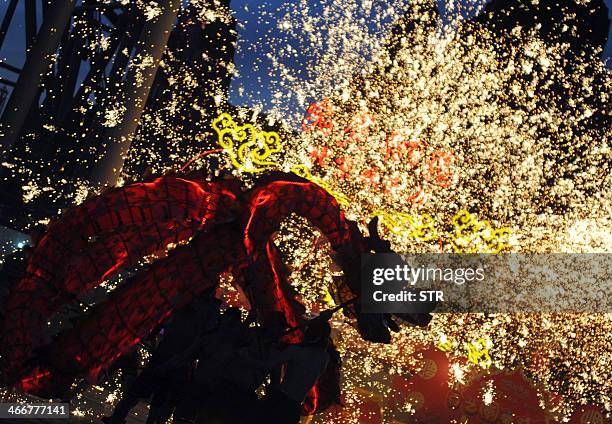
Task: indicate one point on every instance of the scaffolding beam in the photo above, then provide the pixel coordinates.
(134, 93)
(36, 66)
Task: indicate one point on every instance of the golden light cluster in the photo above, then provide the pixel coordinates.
(514, 118)
(422, 123)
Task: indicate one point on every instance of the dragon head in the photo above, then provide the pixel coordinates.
(374, 327)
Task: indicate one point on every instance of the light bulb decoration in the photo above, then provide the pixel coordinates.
(249, 149)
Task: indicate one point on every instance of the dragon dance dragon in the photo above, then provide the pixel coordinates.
(218, 227)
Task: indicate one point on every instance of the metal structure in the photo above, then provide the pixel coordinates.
(41, 48)
(152, 43)
(82, 56)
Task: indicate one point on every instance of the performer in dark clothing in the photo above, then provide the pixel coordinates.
(304, 364)
(223, 390)
(195, 319)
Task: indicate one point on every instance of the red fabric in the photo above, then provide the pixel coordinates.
(93, 240)
(130, 222)
(135, 309)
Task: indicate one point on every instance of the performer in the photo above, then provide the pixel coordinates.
(199, 317)
(304, 364)
(223, 390)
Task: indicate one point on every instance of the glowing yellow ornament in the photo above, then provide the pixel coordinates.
(249, 150)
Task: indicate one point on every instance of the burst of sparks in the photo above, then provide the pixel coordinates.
(437, 120)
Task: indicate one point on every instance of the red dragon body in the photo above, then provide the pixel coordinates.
(219, 229)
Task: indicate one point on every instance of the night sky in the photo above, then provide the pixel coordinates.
(248, 13)
(255, 81)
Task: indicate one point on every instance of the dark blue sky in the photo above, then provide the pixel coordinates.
(250, 31)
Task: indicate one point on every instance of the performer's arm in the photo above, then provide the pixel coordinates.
(275, 359)
(178, 359)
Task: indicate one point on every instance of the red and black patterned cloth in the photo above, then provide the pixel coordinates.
(218, 228)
